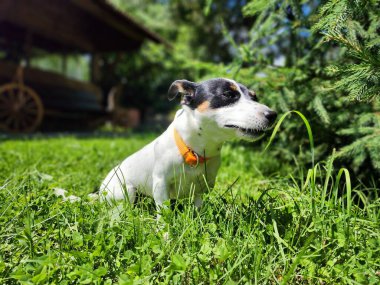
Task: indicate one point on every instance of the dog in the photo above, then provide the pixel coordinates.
(184, 160)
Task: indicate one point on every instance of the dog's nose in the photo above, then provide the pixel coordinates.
(270, 115)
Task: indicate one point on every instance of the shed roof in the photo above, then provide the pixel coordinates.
(70, 26)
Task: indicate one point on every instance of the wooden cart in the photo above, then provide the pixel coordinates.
(32, 95)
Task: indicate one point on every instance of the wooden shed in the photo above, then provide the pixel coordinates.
(32, 27)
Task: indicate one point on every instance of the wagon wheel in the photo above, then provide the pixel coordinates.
(21, 109)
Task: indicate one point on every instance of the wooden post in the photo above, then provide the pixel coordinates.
(95, 68)
(27, 48)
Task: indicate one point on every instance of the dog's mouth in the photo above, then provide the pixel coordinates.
(246, 131)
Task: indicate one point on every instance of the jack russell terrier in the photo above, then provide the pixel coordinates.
(184, 160)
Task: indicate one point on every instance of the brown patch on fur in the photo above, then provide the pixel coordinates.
(252, 93)
(180, 87)
(204, 106)
(233, 87)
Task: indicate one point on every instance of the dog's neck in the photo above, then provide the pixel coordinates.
(196, 137)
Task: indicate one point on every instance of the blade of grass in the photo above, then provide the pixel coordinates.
(309, 132)
(297, 259)
(328, 177)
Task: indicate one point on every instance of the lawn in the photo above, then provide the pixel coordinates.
(264, 223)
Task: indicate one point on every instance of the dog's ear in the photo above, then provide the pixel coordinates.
(182, 87)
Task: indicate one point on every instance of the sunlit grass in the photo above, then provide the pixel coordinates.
(264, 223)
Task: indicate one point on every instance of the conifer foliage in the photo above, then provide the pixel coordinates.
(331, 73)
(354, 26)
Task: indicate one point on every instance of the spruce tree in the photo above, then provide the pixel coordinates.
(331, 73)
(355, 27)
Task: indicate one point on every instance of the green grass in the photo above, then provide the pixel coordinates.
(264, 223)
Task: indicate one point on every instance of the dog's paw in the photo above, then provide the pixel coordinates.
(93, 196)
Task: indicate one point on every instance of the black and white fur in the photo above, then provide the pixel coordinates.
(213, 111)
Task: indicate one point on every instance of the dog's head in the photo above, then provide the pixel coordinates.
(224, 106)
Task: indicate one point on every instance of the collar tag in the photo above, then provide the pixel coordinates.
(190, 157)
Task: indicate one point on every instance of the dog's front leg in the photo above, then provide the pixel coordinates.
(160, 193)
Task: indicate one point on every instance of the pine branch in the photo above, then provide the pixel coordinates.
(342, 22)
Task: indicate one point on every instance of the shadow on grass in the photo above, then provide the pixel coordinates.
(80, 135)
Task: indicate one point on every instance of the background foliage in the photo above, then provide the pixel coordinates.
(319, 57)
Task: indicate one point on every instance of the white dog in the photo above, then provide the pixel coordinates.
(184, 160)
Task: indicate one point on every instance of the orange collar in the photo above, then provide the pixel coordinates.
(190, 157)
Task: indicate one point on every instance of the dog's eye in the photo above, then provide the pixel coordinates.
(230, 94)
